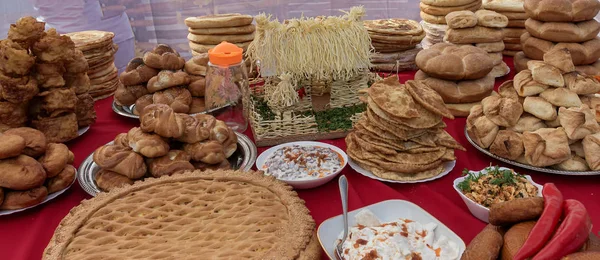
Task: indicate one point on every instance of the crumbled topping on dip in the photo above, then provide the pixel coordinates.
(403, 239)
(302, 162)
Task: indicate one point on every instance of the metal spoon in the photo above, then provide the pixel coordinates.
(343, 183)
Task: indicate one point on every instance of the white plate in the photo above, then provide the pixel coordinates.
(481, 212)
(448, 166)
(303, 184)
(49, 198)
(389, 210)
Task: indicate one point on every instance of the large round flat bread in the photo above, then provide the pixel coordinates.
(106, 78)
(401, 56)
(203, 48)
(246, 29)
(189, 216)
(86, 40)
(103, 72)
(393, 98)
(504, 5)
(394, 26)
(218, 21)
(444, 10)
(446, 3)
(435, 19)
(216, 39)
(395, 66)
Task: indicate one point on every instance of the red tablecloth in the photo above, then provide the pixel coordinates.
(25, 235)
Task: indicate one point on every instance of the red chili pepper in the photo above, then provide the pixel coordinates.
(546, 224)
(572, 233)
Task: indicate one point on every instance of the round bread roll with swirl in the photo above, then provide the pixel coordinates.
(453, 62)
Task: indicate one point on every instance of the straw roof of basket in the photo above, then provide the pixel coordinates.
(321, 48)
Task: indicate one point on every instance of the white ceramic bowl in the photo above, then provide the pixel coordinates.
(480, 211)
(304, 184)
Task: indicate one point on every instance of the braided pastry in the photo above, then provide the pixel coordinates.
(121, 160)
(220, 132)
(210, 152)
(137, 73)
(128, 95)
(148, 145)
(230, 144)
(108, 180)
(167, 79)
(141, 103)
(197, 127)
(121, 140)
(175, 161)
(164, 57)
(160, 119)
(177, 98)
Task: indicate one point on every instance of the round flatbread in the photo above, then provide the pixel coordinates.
(87, 40)
(395, 66)
(246, 29)
(218, 21)
(435, 19)
(216, 39)
(397, 39)
(103, 72)
(444, 10)
(203, 48)
(394, 26)
(446, 3)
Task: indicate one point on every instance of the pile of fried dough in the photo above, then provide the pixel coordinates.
(401, 136)
(43, 82)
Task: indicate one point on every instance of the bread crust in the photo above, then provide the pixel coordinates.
(584, 53)
(452, 62)
(563, 32)
(562, 10)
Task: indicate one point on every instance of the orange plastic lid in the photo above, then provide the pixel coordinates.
(225, 54)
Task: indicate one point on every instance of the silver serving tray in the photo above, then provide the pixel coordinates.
(49, 198)
(127, 111)
(83, 130)
(243, 159)
(526, 166)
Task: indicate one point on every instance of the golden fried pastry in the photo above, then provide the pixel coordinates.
(121, 140)
(591, 148)
(26, 31)
(57, 101)
(55, 159)
(18, 90)
(21, 173)
(197, 105)
(197, 87)
(108, 180)
(146, 144)
(80, 82)
(167, 79)
(13, 115)
(163, 57)
(173, 162)
(508, 144)
(528, 123)
(197, 127)
(178, 98)
(210, 152)
(14, 59)
(480, 128)
(575, 163)
(84, 109)
(137, 73)
(24, 199)
(62, 180)
(578, 122)
(12, 145)
(220, 132)
(197, 65)
(58, 129)
(224, 165)
(78, 64)
(121, 160)
(161, 119)
(546, 146)
(502, 111)
(53, 47)
(35, 141)
(128, 95)
(141, 103)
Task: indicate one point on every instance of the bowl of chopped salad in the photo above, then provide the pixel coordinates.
(494, 184)
(303, 165)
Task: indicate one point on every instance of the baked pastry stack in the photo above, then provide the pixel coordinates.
(514, 11)
(546, 117)
(483, 29)
(459, 73)
(158, 78)
(433, 13)
(561, 24)
(209, 30)
(31, 168)
(99, 51)
(396, 43)
(43, 82)
(165, 143)
(401, 136)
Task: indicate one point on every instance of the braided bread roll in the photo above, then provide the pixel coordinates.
(210, 152)
(197, 128)
(173, 162)
(160, 119)
(148, 145)
(121, 160)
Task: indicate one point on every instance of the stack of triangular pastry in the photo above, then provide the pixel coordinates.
(401, 136)
(547, 116)
(396, 43)
(209, 30)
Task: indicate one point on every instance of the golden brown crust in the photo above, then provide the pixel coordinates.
(178, 98)
(13, 115)
(197, 128)
(24, 199)
(58, 129)
(84, 109)
(137, 73)
(174, 161)
(26, 31)
(198, 105)
(141, 103)
(562, 10)
(147, 144)
(56, 101)
(167, 79)
(508, 144)
(35, 141)
(197, 65)
(128, 95)
(62, 180)
(55, 159)
(161, 119)
(12, 145)
(163, 57)
(21, 173)
(78, 64)
(53, 47)
(18, 90)
(121, 160)
(108, 180)
(197, 87)
(469, 62)
(502, 111)
(121, 140)
(14, 59)
(80, 82)
(210, 152)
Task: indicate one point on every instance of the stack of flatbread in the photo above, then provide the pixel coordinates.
(396, 43)
(99, 50)
(433, 13)
(514, 11)
(401, 136)
(546, 117)
(484, 29)
(209, 30)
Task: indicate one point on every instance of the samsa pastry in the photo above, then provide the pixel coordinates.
(578, 122)
(146, 144)
(35, 141)
(546, 74)
(14, 59)
(540, 108)
(173, 162)
(560, 58)
(26, 31)
(546, 146)
(507, 90)
(508, 144)
(593, 101)
(575, 163)
(527, 123)
(581, 84)
(561, 97)
(53, 47)
(18, 90)
(13, 115)
(480, 128)
(121, 160)
(577, 148)
(502, 111)
(58, 129)
(591, 147)
(526, 86)
(553, 123)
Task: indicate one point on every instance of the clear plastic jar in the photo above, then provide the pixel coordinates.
(226, 85)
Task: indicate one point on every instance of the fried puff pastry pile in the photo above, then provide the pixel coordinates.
(159, 78)
(165, 143)
(43, 82)
(546, 117)
(31, 168)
